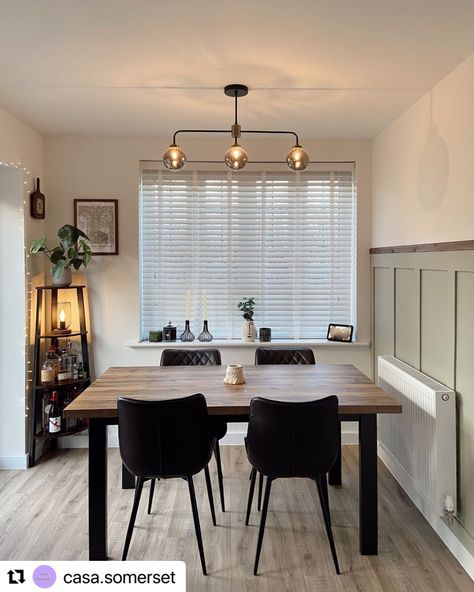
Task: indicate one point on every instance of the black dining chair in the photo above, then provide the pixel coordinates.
(280, 355)
(286, 440)
(284, 355)
(163, 440)
(199, 357)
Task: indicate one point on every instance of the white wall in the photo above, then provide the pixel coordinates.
(22, 146)
(423, 167)
(99, 167)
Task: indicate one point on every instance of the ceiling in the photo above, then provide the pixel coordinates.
(333, 69)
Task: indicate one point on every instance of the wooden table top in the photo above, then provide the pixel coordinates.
(357, 393)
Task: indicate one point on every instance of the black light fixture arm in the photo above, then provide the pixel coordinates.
(209, 131)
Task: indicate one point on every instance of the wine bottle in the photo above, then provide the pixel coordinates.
(54, 417)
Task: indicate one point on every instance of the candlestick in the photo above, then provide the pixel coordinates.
(188, 304)
(204, 304)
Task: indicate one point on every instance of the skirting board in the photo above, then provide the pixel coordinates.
(14, 462)
(436, 522)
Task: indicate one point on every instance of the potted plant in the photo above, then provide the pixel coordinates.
(246, 306)
(72, 252)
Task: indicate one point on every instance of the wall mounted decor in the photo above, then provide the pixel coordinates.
(98, 218)
(37, 202)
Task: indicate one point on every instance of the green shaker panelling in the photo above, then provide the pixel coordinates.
(383, 313)
(407, 316)
(465, 390)
(437, 325)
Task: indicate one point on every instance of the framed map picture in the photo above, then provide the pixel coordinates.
(98, 218)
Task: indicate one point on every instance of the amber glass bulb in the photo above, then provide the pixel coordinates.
(297, 158)
(236, 157)
(174, 158)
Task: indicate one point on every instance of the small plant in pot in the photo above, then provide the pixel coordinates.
(247, 306)
(72, 252)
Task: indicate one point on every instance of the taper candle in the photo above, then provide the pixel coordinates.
(204, 304)
(188, 304)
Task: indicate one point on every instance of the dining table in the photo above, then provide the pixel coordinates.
(360, 400)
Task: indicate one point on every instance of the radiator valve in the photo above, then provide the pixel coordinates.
(448, 509)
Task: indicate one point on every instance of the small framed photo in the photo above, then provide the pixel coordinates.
(340, 332)
(37, 203)
(98, 218)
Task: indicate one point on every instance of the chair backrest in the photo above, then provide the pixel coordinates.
(170, 438)
(191, 357)
(284, 355)
(293, 439)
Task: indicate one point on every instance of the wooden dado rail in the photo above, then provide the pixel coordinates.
(466, 245)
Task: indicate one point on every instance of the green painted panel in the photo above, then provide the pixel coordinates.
(437, 325)
(383, 326)
(407, 320)
(465, 394)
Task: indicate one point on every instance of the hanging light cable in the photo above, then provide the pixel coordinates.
(236, 157)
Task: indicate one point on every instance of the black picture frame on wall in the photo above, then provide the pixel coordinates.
(340, 332)
(98, 218)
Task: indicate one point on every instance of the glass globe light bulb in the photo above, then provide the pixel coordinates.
(174, 158)
(297, 158)
(236, 157)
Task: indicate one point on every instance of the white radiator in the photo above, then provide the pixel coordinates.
(419, 446)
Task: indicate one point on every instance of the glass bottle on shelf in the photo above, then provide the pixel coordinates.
(71, 352)
(65, 372)
(53, 358)
(47, 372)
(54, 417)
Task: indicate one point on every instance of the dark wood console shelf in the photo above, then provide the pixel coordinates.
(48, 296)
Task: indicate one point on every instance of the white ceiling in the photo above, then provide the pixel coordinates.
(338, 68)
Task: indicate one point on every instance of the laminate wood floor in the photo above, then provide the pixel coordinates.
(43, 515)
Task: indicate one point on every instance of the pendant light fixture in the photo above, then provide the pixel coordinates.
(236, 157)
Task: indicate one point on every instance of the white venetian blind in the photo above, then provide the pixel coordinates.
(288, 239)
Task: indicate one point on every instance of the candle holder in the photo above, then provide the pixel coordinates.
(205, 334)
(187, 334)
(63, 321)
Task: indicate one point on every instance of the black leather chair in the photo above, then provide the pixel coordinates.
(199, 357)
(292, 440)
(287, 355)
(163, 440)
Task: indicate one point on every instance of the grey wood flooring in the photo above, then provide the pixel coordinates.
(43, 515)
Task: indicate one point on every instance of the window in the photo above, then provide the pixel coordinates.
(288, 239)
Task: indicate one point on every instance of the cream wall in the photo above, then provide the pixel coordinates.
(22, 146)
(422, 193)
(108, 167)
(423, 167)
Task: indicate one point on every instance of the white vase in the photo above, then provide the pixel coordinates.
(249, 331)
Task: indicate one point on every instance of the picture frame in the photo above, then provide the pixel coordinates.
(340, 332)
(98, 219)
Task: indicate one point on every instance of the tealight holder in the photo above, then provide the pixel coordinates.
(234, 374)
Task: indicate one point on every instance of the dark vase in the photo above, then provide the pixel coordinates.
(187, 334)
(205, 335)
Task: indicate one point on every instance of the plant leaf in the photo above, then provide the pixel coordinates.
(38, 245)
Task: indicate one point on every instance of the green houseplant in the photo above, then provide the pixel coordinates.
(247, 306)
(72, 252)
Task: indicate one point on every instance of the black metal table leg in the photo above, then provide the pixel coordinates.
(97, 489)
(335, 474)
(128, 480)
(368, 518)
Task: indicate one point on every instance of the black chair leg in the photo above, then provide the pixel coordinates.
(260, 490)
(209, 494)
(253, 475)
(150, 498)
(131, 524)
(220, 478)
(263, 519)
(322, 486)
(197, 526)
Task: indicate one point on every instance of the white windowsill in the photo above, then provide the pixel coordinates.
(239, 343)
